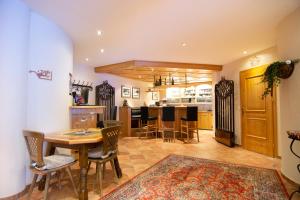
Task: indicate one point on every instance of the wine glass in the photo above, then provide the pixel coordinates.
(84, 121)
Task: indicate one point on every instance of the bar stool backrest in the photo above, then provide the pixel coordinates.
(192, 113)
(144, 113)
(168, 113)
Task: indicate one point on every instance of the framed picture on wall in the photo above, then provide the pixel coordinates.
(136, 93)
(125, 92)
(155, 96)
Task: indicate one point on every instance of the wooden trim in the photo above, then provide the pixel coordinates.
(289, 180)
(86, 107)
(275, 123)
(105, 68)
(18, 195)
(143, 63)
(184, 85)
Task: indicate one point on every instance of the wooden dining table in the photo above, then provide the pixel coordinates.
(76, 139)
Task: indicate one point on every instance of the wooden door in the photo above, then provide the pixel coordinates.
(257, 113)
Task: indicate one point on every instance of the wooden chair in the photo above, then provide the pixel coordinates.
(149, 123)
(189, 123)
(106, 152)
(168, 123)
(45, 166)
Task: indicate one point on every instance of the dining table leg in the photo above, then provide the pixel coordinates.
(83, 164)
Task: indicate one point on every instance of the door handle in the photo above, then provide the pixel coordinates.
(243, 110)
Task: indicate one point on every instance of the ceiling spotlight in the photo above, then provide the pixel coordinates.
(140, 76)
(183, 44)
(102, 50)
(99, 33)
(87, 59)
(245, 52)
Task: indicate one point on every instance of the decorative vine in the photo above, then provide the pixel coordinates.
(275, 72)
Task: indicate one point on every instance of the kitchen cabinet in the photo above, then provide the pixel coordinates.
(205, 120)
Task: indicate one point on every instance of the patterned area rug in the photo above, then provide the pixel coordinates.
(182, 177)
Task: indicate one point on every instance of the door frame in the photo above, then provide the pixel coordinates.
(274, 112)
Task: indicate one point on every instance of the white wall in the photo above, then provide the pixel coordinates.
(232, 71)
(14, 26)
(289, 48)
(48, 101)
(117, 82)
(29, 41)
(85, 73)
(288, 107)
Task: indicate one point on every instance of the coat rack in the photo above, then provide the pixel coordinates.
(78, 85)
(82, 88)
(82, 85)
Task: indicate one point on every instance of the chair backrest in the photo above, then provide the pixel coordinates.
(192, 113)
(168, 113)
(114, 113)
(34, 142)
(100, 124)
(110, 137)
(144, 113)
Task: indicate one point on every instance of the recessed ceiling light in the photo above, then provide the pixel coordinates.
(245, 52)
(102, 50)
(152, 69)
(140, 76)
(86, 59)
(183, 44)
(99, 32)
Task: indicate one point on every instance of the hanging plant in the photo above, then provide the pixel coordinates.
(276, 71)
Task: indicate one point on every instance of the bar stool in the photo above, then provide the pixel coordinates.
(189, 123)
(168, 123)
(149, 123)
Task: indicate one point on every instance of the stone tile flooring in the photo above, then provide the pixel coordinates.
(136, 155)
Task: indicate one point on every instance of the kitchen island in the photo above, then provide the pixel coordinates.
(131, 125)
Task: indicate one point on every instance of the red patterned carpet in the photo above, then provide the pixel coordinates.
(182, 177)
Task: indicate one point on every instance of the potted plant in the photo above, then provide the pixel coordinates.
(276, 71)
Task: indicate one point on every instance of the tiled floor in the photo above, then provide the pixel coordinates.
(136, 155)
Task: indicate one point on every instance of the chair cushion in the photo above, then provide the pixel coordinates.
(97, 153)
(152, 118)
(184, 118)
(135, 116)
(55, 161)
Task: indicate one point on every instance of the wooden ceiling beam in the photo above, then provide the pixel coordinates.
(157, 64)
(142, 63)
(164, 75)
(183, 85)
(107, 68)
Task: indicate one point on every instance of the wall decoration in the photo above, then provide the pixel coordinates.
(125, 92)
(155, 96)
(43, 74)
(276, 71)
(136, 93)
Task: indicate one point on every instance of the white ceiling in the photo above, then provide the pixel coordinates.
(216, 31)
